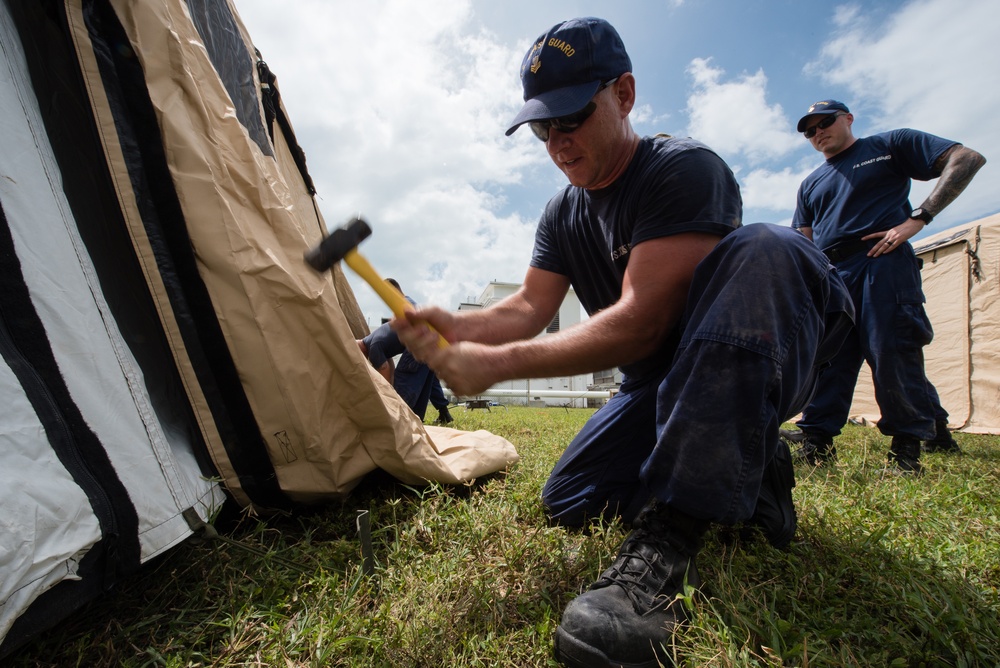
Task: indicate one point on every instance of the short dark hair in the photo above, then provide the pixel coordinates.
(393, 283)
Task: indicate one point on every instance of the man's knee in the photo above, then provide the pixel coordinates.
(565, 505)
(577, 506)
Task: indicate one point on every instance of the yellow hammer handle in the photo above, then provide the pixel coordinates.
(393, 298)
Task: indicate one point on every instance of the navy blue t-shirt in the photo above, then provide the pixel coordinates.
(672, 186)
(866, 187)
(383, 344)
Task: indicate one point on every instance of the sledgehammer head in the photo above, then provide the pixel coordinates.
(333, 249)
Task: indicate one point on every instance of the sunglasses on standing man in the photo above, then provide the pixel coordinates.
(822, 125)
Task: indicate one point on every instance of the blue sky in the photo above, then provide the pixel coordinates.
(401, 106)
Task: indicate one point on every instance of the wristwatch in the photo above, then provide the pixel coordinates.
(922, 214)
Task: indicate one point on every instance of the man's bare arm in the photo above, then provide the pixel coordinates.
(654, 294)
(520, 316)
(957, 166)
(387, 370)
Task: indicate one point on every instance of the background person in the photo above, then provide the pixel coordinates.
(856, 208)
(718, 330)
(413, 381)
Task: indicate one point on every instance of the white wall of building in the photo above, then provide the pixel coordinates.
(571, 389)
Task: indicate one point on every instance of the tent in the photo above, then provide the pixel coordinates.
(165, 346)
(961, 277)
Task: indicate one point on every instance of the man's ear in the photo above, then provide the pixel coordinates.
(625, 92)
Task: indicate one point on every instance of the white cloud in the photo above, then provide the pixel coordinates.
(772, 190)
(643, 115)
(924, 69)
(400, 108)
(733, 116)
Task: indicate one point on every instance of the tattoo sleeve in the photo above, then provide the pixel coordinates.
(957, 166)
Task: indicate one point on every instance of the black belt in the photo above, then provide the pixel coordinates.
(849, 248)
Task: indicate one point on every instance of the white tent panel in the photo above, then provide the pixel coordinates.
(46, 520)
(96, 364)
(48, 523)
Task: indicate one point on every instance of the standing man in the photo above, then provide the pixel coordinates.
(856, 208)
(413, 381)
(718, 329)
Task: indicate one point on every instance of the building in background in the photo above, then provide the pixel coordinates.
(573, 391)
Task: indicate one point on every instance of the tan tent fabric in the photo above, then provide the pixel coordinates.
(328, 418)
(961, 277)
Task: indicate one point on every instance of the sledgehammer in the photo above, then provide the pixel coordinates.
(342, 244)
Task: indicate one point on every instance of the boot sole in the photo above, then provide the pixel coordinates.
(577, 654)
(946, 449)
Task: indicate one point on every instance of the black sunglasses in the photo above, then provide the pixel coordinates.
(570, 122)
(822, 125)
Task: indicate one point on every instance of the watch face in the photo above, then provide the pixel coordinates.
(920, 214)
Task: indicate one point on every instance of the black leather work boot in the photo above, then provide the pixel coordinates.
(792, 435)
(816, 450)
(629, 615)
(942, 441)
(904, 454)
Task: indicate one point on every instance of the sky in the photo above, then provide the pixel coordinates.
(401, 108)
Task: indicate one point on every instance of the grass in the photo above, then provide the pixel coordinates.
(884, 571)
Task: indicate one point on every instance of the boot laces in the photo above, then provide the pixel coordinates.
(644, 569)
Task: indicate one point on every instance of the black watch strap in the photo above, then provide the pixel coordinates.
(922, 214)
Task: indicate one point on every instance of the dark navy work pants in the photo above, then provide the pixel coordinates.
(416, 384)
(892, 330)
(765, 311)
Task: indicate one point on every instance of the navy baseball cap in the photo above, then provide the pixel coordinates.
(566, 65)
(822, 108)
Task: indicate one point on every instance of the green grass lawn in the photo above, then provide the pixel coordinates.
(884, 571)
